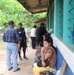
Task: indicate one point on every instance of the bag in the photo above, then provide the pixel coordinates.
(39, 63)
(46, 73)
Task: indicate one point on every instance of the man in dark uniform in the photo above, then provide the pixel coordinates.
(23, 44)
(40, 31)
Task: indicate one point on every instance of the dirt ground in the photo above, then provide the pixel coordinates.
(24, 65)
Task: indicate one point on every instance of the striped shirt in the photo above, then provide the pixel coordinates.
(11, 36)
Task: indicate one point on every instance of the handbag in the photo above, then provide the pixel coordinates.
(39, 63)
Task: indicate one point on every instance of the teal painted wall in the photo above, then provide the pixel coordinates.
(47, 20)
(59, 18)
(64, 17)
(64, 25)
(67, 21)
(52, 19)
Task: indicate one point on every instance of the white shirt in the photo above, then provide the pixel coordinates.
(27, 32)
(33, 32)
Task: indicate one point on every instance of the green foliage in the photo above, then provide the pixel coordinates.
(13, 10)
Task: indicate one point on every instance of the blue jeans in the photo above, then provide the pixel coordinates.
(38, 56)
(11, 49)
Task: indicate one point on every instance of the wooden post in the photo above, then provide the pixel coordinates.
(63, 67)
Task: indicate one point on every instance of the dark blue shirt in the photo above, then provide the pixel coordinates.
(10, 35)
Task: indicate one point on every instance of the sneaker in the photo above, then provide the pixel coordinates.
(10, 69)
(20, 58)
(17, 70)
(25, 58)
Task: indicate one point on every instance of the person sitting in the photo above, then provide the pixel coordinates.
(48, 60)
(38, 52)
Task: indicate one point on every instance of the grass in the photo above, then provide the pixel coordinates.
(2, 44)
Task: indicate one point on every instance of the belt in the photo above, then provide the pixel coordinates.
(11, 42)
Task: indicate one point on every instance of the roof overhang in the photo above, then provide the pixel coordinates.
(35, 6)
(40, 20)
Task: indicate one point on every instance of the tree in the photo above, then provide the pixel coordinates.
(13, 10)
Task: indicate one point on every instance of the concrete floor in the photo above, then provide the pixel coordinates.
(24, 65)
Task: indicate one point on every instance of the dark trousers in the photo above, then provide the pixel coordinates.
(24, 51)
(39, 41)
(33, 40)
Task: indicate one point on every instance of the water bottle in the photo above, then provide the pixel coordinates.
(58, 72)
(53, 71)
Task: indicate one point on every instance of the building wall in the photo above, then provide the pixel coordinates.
(61, 21)
(64, 53)
(60, 59)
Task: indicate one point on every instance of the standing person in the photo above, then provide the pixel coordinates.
(26, 32)
(23, 38)
(40, 31)
(11, 38)
(33, 36)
